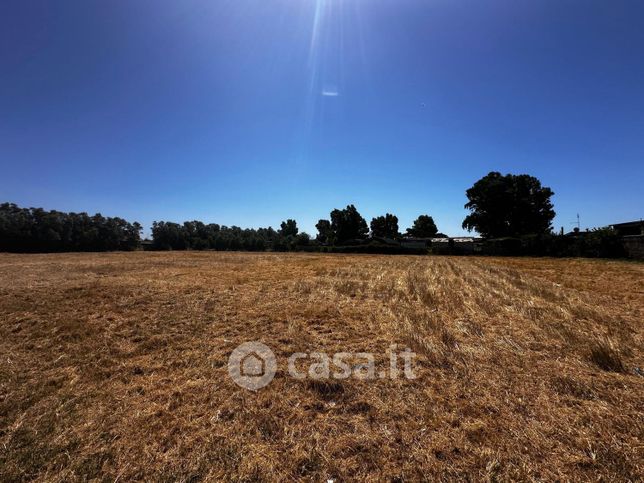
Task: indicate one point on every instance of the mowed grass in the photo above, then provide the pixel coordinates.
(114, 366)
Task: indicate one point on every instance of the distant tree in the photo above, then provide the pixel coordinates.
(348, 224)
(280, 244)
(302, 239)
(385, 226)
(169, 236)
(509, 206)
(194, 233)
(288, 228)
(325, 233)
(423, 227)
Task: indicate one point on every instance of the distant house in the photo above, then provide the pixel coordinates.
(575, 233)
(632, 233)
(414, 242)
(385, 240)
(147, 244)
(629, 228)
(462, 245)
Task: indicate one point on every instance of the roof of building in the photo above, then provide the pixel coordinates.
(628, 224)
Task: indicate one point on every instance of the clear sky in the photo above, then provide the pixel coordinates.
(248, 112)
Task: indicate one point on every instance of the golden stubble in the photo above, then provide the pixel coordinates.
(114, 366)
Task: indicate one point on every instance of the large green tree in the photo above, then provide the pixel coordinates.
(423, 227)
(325, 233)
(510, 205)
(288, 228)
(348, 224)
(385, 226)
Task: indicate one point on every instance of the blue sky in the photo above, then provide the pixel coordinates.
(249, 112)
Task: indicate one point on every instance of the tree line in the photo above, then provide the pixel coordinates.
(512, 210)
(345, 226)
(38, 230)
(197, 235)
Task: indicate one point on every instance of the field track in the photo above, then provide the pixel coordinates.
(114, 366)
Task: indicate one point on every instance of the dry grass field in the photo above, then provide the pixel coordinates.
(114, 366)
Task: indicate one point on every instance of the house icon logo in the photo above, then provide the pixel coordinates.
(252, 365)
